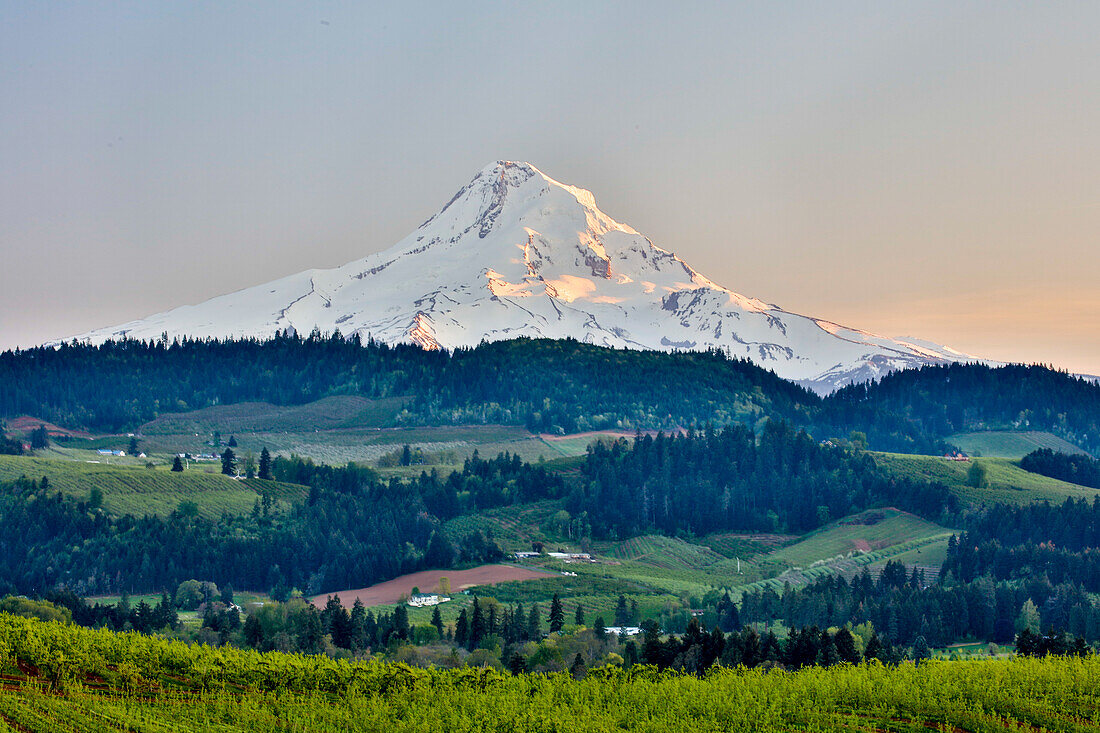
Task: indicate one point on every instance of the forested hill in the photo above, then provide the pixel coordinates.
(941, 400)
(544, 384)
(355, 529)
(718, 480)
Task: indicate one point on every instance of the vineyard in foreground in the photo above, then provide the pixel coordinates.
(62, 678)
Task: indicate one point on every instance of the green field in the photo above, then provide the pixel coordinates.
(578, 445)
(329, 413)
(345, 428)
(1010, 444)
(340, 444)
(516, 527)
(66, 679)
(656, 570)
(862, 533)
(139, 491)
(745, 545)
(1007, 481)
(928, 556)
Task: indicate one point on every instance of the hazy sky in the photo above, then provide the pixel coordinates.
(923, 169)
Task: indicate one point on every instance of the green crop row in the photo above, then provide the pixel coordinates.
(86, 680)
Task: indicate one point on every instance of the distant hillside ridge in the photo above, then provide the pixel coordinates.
(954, 398)
(546, 385)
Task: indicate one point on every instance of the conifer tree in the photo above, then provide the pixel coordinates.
(492, 623)
(40, 438)
(164, 614)
(341, 629)
(750, 648)
(370, 630)
(253, 632)
(557, 615)
(462, 628)
(517, 624)
(517, 663)
(229, 462)
(600, 629)
(437, 621)
(770, 650)
(332, 607)
(264, 471)
(578, 669)
(846, 646)
(874, 648)
(578, 616)
(622, 613)
(441, 553)
(358, 626)
(827, 654)
(477, 624)
(534, 622)
(921, 650)
(401, 622)
(177, 465)
(309, 641)
(630, 654)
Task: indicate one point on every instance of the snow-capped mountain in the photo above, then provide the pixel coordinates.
(516, 253)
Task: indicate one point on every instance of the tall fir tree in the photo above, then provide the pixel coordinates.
(229, 462)
(622, 613)
(264, 471)
(358, 619)
(557, 615)
(534, 623)
(578, 669)
(401, 622)
(437, 621)
(477, 624)
(462, 628)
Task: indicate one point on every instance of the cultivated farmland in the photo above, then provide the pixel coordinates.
(140, 491)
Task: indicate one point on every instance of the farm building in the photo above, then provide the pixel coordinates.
(571, 556)
(623, 630)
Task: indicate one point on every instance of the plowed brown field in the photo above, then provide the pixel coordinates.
(427, 581)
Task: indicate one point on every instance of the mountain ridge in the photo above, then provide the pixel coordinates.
(517, 253)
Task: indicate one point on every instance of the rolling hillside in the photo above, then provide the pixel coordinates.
(1010, 443)
(1007, 481)
(140, 491)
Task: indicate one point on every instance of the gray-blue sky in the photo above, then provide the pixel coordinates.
(927, 169)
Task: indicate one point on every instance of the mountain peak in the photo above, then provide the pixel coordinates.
(517, 253)
(499, 167)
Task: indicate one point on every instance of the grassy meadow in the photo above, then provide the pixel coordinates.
(1010, 443)
(1007, 481)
